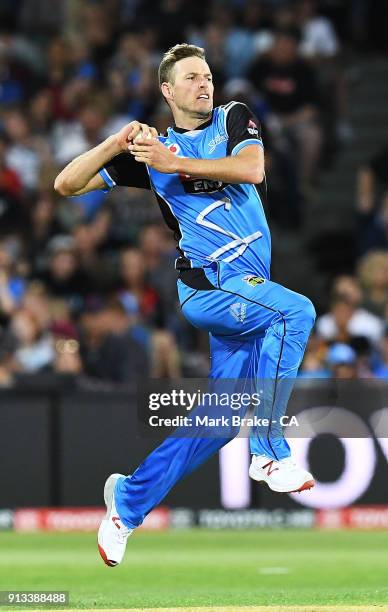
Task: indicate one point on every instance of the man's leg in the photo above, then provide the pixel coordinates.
(285, 319)
(259, 330)
(178, 456)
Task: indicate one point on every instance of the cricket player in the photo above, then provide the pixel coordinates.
(207, 174)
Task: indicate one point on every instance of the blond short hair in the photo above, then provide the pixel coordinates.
(173, 55)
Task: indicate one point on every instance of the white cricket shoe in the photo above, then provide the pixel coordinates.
(282, 476)
(112, 534)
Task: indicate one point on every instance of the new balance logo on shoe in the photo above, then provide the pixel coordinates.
(269, 466)
(282, 476)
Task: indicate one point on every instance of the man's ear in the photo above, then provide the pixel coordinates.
(166, 90)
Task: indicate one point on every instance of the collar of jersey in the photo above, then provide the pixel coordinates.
(202, 126)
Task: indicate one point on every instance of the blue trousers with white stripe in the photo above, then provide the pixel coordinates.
(258, 331)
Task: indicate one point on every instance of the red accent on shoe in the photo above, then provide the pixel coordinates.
(105, 558)
(115, 519)
(269, 465)
(305, 487)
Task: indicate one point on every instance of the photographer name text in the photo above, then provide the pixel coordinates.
(222, 421)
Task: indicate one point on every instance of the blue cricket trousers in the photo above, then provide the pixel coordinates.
(258, 330)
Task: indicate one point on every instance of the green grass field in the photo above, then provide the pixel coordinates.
(204, 568)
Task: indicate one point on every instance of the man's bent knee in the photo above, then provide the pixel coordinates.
(302, 314)
(309, 312)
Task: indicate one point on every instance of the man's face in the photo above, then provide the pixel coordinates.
(191, 87)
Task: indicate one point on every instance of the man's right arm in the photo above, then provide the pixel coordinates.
(82, 174)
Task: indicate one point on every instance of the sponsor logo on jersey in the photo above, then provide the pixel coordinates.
(216, 141)
(238, 311)
(252, 128)
(198, 185)
(254, 280)
(173, 147)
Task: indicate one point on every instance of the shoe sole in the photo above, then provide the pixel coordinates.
(108, 498)
(309, 484)
(306, 486)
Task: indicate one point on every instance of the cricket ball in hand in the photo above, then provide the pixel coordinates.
(141, 135)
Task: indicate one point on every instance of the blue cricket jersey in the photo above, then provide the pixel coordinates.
(212, 220)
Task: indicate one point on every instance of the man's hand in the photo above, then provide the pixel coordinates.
(81, 174)
(129, 132)
(154, 154)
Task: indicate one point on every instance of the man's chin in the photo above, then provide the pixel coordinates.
(202, 114)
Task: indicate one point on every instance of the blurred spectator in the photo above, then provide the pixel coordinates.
(366, 356)
(319, 39)
(158, 254)
(346, 317)
(373, 275)
(372, 203)
(12, 284)
(381, 368)
(132, 70)
(88, 238)
(8, 366)
(25, 153)
(97, 25)
(130, 210)
(161, 117)
(63, 276)
(12, 205)
(136, 294)
(10, 183)
(41, 229)
(110, 351)
(212, 38)
(35, 346)
(335, 324)
(342, 361)
(142, 301)
(82, 65)
(16, 74)
(36, 300)
(288, 84)
(314, 362)
(72, 139)
(338, 360)
(320, 45)
(41, 113)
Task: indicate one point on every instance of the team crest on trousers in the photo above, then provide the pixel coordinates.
(254, 280)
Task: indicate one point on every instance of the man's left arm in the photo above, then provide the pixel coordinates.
(243, 164)
(247, 166)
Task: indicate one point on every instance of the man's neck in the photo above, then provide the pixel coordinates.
(185, 122)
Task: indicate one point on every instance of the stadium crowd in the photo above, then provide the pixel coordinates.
(87, 284)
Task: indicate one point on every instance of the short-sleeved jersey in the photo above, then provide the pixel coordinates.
(212, 220)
